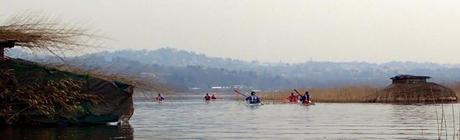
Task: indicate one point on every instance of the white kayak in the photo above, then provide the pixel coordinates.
(254, 104)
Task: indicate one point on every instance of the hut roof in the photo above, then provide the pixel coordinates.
(401, 77)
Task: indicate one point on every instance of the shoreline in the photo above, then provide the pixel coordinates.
(344, 94)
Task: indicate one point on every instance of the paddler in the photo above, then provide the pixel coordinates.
(305, 99)
(253, 99)
(213, 97)
(293, 98)
(207, 97)
(159, 98)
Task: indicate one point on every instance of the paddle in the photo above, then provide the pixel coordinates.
(236, 91)
(296, 91)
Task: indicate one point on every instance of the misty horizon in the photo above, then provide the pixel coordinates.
(279, 62)
(44, 53)
(270, 30)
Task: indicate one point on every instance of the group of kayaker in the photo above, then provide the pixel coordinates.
(209, 98)
(160, 98)
(253, 99)
(305, 99)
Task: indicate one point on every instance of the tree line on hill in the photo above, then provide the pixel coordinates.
(185, 70)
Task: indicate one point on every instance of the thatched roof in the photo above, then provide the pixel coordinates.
(415, 92)
(402, 77)
(33, 94)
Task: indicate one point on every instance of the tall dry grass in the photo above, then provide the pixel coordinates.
(359, 93)
(337, 94)
(41, 32)
(144, 84)
(456, 88)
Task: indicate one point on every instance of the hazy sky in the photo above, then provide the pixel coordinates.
(271, 30)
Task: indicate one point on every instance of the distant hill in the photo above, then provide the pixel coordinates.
(186, 70)
(174, 57)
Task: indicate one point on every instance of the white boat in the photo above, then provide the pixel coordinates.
(253, 104)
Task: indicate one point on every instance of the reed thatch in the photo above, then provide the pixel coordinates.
(19, 92)
(31, 93)
(420, 92)
(37, 32)
(409, 89)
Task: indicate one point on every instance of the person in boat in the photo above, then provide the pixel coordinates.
(213, 97)
(293, 98)
(207, 97)
(305, 99)
(253, 99)
(159, 98)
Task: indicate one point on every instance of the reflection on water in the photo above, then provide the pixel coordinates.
(193, 119)
(229, 119)
(67, 133)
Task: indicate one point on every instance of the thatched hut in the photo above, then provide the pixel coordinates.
(32, 93)
(409, 88)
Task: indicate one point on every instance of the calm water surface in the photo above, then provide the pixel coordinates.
(229, 119)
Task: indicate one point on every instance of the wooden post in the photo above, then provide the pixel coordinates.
(5, 44)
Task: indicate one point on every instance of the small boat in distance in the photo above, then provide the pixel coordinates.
(251, 100)
(159, 98)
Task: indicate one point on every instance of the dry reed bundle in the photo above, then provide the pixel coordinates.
(43, 33)
(337, 94)
(64, 96)
(141, 83)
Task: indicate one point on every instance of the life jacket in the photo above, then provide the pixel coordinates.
(305, 99)
(293, 98)
(213, 97)
(159, 98)
(207, 98)
(253, 99)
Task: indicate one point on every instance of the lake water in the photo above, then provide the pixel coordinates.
(230, 119)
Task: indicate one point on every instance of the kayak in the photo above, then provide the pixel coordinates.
(307, 104)
(294, 102)
(253, 104)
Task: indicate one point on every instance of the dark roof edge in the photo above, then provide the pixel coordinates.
(399, 77)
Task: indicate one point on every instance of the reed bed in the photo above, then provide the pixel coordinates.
(456, 88)
(337, 94)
